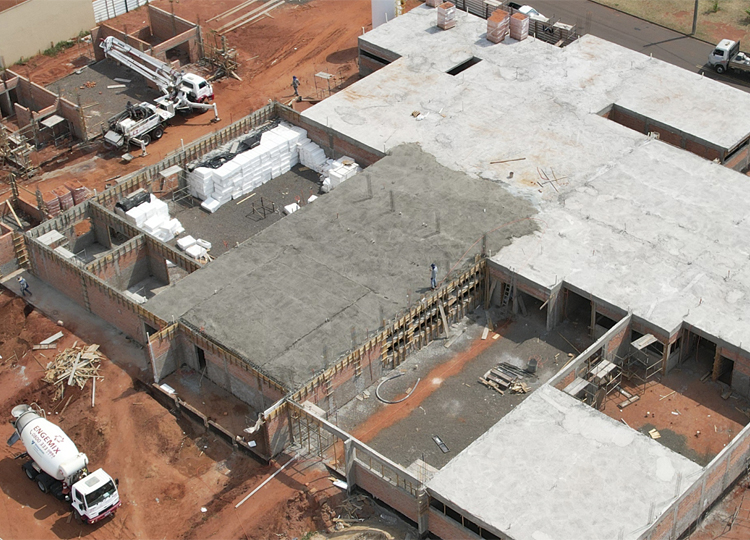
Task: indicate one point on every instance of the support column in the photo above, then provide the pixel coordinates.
(717, 365)
(554, 308)
(349, 455)
(593, 319)
(665, 358)
(423, 512)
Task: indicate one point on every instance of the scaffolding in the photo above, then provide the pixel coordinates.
(595, 379)
(640, 366)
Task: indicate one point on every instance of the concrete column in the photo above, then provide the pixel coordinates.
(349, 455)
(593, 318)
(554, 309)
(423, 512)
(665, 358)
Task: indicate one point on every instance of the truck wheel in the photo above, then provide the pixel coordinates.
(157, 133)
(31, 472)
(720, 69)
(146, 139)
(43, 480)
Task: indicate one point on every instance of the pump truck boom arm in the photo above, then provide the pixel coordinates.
(164, 76)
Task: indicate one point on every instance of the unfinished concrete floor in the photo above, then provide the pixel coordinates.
(101, 102)
(449, 401)
(239, 220)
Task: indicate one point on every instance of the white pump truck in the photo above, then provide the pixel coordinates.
(59, 468)
(140, 123)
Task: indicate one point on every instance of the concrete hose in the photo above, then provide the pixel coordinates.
(377, 390)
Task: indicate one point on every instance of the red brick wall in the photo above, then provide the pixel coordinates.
(56, 273)
(613, 345)
(663, 530)
(448, 529)
(6, 247)
(164, 25)
(689, 508)
(123, 269)
(114, 312)
(277, 430)
(393, 496)
(701, 150)
(622, 118)
(739, 160)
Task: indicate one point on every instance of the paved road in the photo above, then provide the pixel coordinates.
(637, 34)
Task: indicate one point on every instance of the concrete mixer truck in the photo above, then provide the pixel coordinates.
(59, 468)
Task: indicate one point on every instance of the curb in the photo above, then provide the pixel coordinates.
(691, 36)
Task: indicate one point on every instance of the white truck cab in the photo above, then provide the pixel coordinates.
(94, 497)
(198, 89)
(727, 55)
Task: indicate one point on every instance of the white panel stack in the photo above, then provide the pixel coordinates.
(153, 217)
(277, 153)
(336, 171)
(311, 155)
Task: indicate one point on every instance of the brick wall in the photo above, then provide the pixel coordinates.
(624, 119)
(277, 433)
(115, 311)
(125, 267)
(393, 496)
(57, 274)
(448, 529)
(164, 25)
(617, 342)
(7, 254)
(689, 508)
(702, 150)
(663, 529)
(157, 265)
(165, 349)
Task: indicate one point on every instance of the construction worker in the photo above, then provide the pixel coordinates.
(433, 276)
(24, 286)
(295, 85)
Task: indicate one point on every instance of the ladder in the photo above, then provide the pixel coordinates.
(19, 247)
(507, 294)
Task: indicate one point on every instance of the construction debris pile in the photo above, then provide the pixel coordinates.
(446, 16)
(75, 366)
(505, 377)
(498, 26)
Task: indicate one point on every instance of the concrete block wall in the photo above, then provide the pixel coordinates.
(104, 31)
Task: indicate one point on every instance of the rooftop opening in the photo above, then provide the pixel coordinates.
(463, 66)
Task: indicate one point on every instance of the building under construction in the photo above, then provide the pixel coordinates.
(564, 182)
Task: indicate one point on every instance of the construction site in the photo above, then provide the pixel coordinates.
(353, 302)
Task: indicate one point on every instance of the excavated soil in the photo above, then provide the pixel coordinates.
(168, 469)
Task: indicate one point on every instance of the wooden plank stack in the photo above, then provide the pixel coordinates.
(446, 15)
(73, 366)
(519, 26)
(505, 377)
(498, 26)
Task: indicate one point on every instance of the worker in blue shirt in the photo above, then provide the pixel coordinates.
(433, 276)
(24, 286)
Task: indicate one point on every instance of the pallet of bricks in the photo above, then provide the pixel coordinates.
(446, 15)
(519, 26)
(434, 3)
(65, 197)
(498, 26)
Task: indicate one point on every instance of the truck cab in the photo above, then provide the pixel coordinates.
(724, 51)
(94, 497)
(197, 88)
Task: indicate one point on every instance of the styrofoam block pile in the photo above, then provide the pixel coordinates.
(311, 155)
(153, 217)
(185, 242)
(200, 183)
(337, 171)
(196, 251)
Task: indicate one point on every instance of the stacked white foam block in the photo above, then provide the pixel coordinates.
(153, 217)
(196, 248)
(279, 150)
(336, 171)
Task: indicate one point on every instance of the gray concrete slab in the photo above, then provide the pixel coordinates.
(635, 222)
(299, 286)
(560, 469)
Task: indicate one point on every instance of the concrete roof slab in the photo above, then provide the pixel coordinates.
(560, 469)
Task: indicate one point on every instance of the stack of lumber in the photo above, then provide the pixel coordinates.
(446, 13)
(519, 26)
(505, 377)
(73, 366)
(498, 26)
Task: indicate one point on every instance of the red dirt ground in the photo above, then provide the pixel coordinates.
(167, 470)
(299, 39)
(730, 519)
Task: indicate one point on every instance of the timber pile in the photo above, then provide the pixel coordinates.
(505, 378)
(73, 366)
